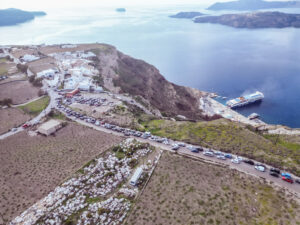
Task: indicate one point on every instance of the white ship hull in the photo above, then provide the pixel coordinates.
(245, 100)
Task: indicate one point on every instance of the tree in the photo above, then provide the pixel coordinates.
(23, 68)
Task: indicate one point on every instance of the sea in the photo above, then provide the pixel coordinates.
(228, 61)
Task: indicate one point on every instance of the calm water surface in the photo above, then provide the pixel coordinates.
(209, 57)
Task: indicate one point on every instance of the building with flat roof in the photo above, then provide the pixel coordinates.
(136, 176)
(49, 127)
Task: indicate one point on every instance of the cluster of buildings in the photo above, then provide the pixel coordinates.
(96, 194)
(77, 70)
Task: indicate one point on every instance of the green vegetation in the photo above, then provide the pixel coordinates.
(54, 114)
(36, 107)
(3, 60)
(3, 71)
(233, 138)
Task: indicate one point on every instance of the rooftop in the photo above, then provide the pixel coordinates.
(50, 124)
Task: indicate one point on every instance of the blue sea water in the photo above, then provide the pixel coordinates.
(215, 58)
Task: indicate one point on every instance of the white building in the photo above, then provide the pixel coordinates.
(29, 58)
(49, 127)
(98, 89)
(136, 176)
(47, 73)
(84, 86)
(69, 46)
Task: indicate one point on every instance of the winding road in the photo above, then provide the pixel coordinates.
(183, 151)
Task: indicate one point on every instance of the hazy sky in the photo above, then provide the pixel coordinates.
(43, 4)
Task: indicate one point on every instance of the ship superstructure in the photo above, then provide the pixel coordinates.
(245, 100)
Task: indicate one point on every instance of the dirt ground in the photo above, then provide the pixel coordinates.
(185, 191)
(11, 117)
(31, 167)
(41, 64)
(19, 91)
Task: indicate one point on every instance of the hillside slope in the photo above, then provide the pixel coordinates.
(121, 73)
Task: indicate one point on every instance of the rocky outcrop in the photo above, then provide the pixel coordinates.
(123, 74)
(245, 5)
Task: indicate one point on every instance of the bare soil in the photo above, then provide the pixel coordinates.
(19, 91)
(31, 167)
(185, 191)
(41, 64)
(11, 117)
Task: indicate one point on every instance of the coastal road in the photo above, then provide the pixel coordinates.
(243, 167)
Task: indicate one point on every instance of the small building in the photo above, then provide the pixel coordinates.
(84, 86)
(72, 93)
(49, 127)
(136, 176)
(98, 89)
(29, 58)
(47, 73)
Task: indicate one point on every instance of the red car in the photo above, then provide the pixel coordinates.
(26, 125)
(287, 179)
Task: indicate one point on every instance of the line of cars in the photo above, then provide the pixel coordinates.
(237, 160)
(177, 145)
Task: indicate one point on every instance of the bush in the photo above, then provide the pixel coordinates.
(6, 101)
(23, 68)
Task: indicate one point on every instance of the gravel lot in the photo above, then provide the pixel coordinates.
(31, 167)
(19, 91)
(11, 117)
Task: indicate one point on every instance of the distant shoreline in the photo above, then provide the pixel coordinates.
(12, 17)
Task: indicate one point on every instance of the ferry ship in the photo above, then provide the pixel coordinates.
(245, 100)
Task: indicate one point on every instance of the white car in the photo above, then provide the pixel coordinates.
(236, 161)
(260, 168)
(208, 153)
(221, 156)
(14, 129)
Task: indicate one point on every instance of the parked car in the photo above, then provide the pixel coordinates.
(175, 147)
(274, 170)
(274, 174)
(297, 181)
(221, 156)
(260, 168)
(208, 153)
(228, 156)
(248, 161)
(26, 125)
(286, 175)
(235, 160)
(288, 179)
(181, 144)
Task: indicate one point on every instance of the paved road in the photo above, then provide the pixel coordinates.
(36, 119)
(243, 167)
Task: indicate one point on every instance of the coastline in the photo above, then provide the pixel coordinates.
(211, 107)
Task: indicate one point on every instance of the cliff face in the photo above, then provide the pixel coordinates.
(123, 74)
